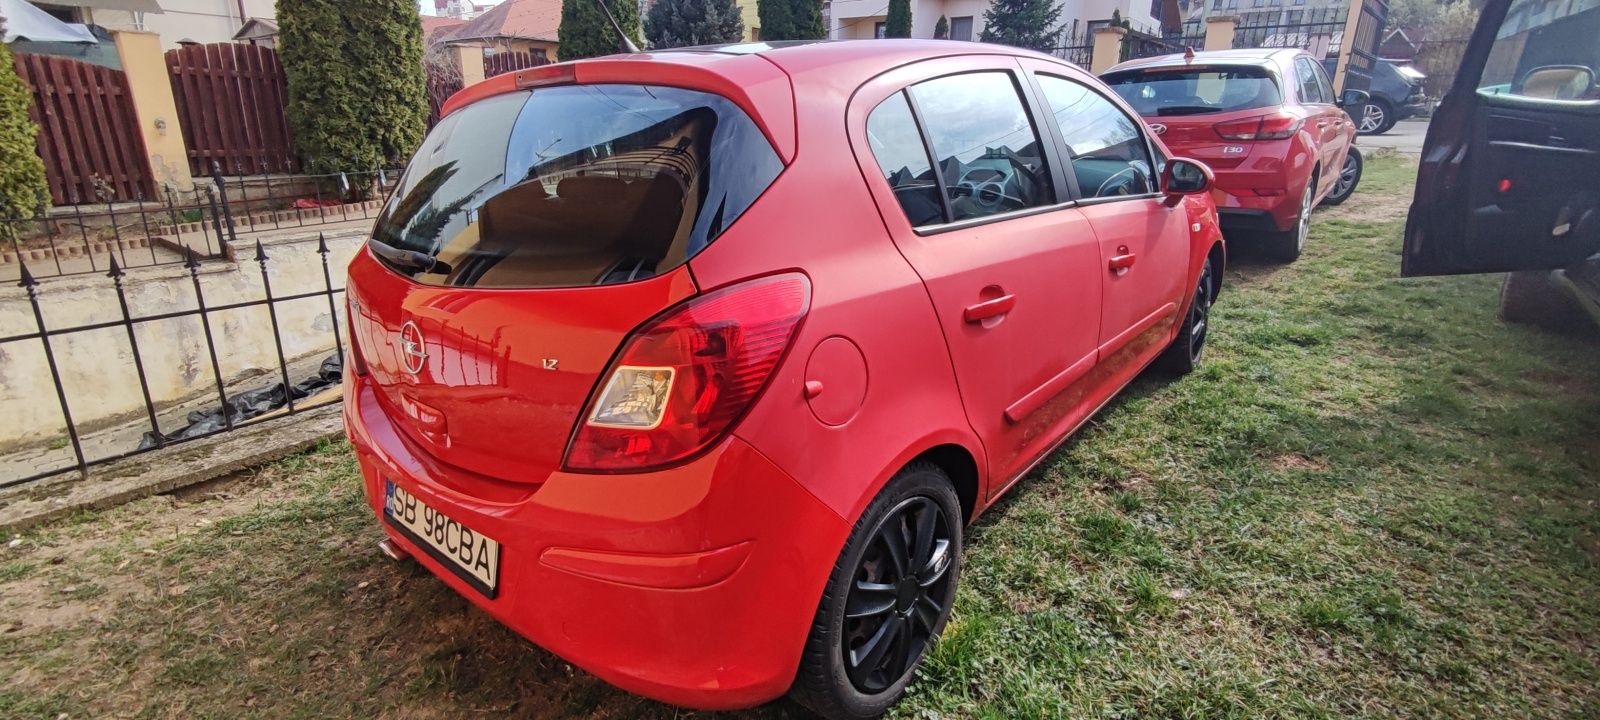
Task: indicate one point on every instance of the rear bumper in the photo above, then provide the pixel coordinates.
(694, 585)
(1234, 220)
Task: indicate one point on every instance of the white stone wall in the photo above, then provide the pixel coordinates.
(97, 366)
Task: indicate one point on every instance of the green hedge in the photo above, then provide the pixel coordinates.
(23, 190)
(357, 89)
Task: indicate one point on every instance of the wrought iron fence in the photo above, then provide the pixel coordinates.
(1318, 38)
(234, 408)
(1076, 48)
(205, 221)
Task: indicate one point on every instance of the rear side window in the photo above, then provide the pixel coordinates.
(986, 146)
(897, 146)
(1182, 91)
(573, 185)
(1311, 82)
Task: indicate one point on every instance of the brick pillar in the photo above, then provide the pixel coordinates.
(470, 60)
(151, 87)
(1107, 49)
(1219, 32)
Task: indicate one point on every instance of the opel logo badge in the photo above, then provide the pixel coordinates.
(1158, 128)
(412, 348)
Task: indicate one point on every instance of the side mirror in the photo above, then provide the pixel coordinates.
(1183, 176)
(1354, 98)
(1556, 82)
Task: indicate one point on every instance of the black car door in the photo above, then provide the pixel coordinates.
(1508, 174)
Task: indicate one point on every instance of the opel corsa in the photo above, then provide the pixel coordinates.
(692, 366)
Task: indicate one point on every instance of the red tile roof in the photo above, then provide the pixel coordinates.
(439, 29)
(523, 19)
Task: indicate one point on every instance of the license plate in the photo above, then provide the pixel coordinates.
(470, 555)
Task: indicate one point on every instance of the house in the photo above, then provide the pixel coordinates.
(438, 30)
(514, 25)
(201, 21)
(258, 31)
(460, 9)
(859, 19)
(752, 20)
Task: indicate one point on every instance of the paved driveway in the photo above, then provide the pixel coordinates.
(1405, 138)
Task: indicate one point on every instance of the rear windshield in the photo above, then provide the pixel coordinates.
(572, 185)
(1184, 91)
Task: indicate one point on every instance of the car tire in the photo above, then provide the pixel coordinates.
(1349, 177)
(1183, 355)
(1377, 117)
(1286, 245)
(1530, 298)
(832, 680)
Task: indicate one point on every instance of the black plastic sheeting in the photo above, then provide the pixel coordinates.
(246, 405)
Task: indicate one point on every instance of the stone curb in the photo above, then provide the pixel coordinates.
(164, 470)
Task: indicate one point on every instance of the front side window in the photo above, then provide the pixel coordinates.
(986, 148)
(1546, 51)
(1105, 148)
(1167, 92)
(572, 185)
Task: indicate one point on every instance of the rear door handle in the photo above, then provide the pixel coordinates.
(989, 308)
(1120, 263)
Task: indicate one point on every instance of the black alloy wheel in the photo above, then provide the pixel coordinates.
(1183, 355)
(887, 598)
(901, 590)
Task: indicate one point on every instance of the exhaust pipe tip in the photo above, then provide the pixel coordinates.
(392, 550)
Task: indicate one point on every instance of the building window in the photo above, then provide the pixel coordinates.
(961, 28)
(880, 30)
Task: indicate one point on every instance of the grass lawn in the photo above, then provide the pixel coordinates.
(1374, 500)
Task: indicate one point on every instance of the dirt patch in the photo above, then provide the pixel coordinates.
(1296, 461)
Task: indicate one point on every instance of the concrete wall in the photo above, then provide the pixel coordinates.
(204, 21)
(97, 366)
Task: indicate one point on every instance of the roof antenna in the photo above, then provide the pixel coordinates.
(624, 44)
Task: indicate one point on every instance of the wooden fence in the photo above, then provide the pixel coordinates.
(88, 133)
(442, 83)
(231, 99)
(505, 61)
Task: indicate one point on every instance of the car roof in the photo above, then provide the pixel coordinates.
(854, 59)
(1260, 57)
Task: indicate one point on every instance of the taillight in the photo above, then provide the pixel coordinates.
(685, 377)
(1276, 126)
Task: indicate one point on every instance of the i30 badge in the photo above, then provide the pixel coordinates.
(412, 349)
(1158, 128)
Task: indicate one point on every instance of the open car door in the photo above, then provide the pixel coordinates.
(1508, 179)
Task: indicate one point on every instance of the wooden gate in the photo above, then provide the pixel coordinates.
(231, 99)
(88, 133)
(504, 61)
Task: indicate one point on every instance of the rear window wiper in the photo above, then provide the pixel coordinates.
(409, 259)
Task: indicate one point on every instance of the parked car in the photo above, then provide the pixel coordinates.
(1396, 93)
(1265, 121)
(1506, 180)
(679, 376)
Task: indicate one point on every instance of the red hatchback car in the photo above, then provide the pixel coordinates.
(1266, 121)
(692, 366)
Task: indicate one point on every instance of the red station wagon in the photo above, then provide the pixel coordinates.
(1266, 121)
(692, 366)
